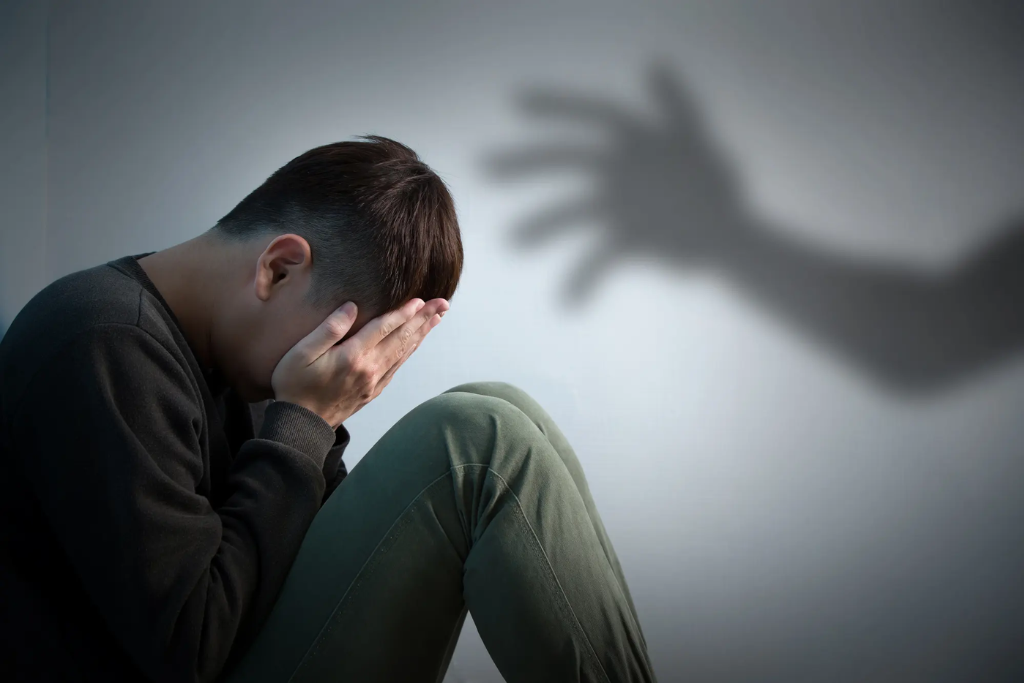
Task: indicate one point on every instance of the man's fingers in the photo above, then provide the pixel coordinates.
(414, 343)
(391, 348)
(378, 329)
(329, 332)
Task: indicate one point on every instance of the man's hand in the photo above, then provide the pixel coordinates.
(336, 380)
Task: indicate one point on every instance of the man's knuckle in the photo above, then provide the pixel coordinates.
(336, 328)
(364, 373)
(348, 357)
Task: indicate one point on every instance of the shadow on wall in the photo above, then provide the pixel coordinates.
(662, 190)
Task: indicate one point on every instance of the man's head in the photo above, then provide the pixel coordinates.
(363, 221)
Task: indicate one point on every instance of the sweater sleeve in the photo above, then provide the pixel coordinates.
(334, 467)
(110, 442)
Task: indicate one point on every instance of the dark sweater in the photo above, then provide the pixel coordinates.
(148, 515)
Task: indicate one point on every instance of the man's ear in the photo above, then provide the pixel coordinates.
(285, 257)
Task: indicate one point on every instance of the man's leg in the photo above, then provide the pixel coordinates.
(464, 502)
(533, 410)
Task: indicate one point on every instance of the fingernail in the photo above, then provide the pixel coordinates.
(346, 307)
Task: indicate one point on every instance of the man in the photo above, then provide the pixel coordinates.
(163, 519)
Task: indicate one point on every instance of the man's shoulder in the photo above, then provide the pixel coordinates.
(73, 308)
(71, 304)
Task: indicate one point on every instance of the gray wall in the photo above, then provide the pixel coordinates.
(22, 155)
(768, 288)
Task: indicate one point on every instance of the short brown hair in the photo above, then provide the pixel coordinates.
(380, 223)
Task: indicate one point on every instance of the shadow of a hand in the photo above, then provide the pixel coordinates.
(659, 188)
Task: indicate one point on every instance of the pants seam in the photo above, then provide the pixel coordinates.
(539, 547)
(620, 589)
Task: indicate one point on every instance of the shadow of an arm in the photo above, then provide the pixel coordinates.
(914, 332)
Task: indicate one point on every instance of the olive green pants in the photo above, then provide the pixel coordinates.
(473, 500)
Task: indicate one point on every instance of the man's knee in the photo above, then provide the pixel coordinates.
(487, 388)
(475, 423)
(464, 406)
(503, 390)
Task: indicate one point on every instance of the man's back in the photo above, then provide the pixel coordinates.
(117, 452)
(46, 612)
